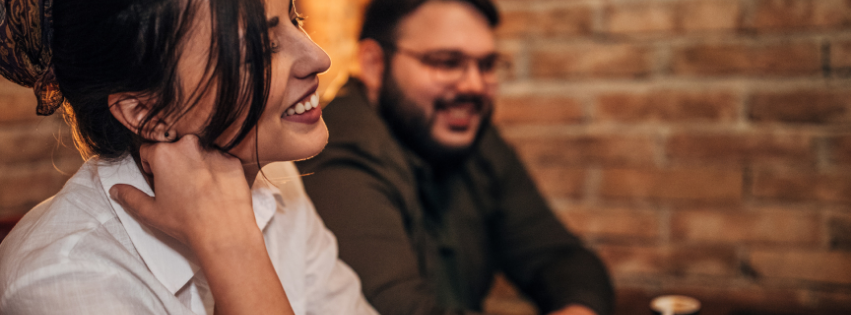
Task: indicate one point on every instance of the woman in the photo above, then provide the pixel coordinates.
(179, 103)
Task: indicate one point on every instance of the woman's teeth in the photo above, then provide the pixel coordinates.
(301, 108)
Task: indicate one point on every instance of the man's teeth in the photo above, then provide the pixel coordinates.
(301, 108)
(458, 112)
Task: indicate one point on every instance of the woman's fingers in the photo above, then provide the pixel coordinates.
(165, 154)
(198, 192)
(132, 200)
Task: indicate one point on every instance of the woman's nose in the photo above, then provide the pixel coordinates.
(312, 59)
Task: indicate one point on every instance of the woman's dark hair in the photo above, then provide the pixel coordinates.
(382, 18)
(102, 47)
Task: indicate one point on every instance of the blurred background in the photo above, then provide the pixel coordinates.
(702, 147)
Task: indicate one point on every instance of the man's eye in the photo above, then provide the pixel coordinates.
(488, 64)
(444, 63)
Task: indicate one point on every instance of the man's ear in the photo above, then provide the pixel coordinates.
(130, 109)
(371, 59)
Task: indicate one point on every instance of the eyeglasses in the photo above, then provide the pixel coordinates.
(450, 66)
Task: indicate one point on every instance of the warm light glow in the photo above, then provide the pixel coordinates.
(335, 26)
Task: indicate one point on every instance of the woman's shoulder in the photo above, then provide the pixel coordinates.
(75, 225)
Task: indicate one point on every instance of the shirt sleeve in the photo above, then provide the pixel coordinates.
(361, 206)
(81, 288)
(536, 251)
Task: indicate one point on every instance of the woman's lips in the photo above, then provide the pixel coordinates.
(306, 111)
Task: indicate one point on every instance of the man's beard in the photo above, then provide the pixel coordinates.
(412, 127)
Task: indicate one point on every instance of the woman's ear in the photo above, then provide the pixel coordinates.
(131, 110)
(371, 59)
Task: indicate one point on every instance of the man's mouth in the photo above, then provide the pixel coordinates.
(459, 116)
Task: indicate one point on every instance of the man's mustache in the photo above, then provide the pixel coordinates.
(479, 102)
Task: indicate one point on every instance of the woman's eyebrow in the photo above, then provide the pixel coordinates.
(273, 21)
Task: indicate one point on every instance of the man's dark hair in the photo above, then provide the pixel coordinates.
(383, 16)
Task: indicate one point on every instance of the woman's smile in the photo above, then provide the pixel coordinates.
(305, 110)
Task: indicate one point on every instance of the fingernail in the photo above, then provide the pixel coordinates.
(113, 192)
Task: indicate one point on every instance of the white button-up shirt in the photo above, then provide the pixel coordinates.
(80, 252)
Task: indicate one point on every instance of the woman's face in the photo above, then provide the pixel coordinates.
(291, 126)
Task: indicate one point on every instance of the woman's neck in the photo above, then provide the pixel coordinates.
(250, 169)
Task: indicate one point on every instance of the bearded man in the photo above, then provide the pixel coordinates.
(427, 201)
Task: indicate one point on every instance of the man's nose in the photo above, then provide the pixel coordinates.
(473, 81)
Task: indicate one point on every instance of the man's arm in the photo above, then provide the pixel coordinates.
(361, 206)
(536, 251)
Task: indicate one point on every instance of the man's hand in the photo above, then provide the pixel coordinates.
(574, 309)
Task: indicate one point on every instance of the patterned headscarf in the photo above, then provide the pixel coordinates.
(25, 57)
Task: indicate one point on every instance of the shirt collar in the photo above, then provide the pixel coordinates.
(170, 261)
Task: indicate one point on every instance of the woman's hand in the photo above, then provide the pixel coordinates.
(202, 197)
(203, 200)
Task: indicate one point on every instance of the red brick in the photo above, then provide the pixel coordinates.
(625, 261)
(835, 13)
(800, 186)
(802, 106)
(840, 149)
(18, 103)
(561, 21)
(809, 265)
(704, 185)
(559, 182)
(32, 142)
(538, 110)
(839, 231)
(704, 260)
(515, 23)
(640, 18)
(505, 299)
(800, 14)
(617, 223)
(709, 15)
(575, 20)
(588, 149)
(780, 14)
(509, 52)
(751, 60)
(667, 106)
(840, 54)
(740, 147)
(16, 211)
(596, 60)
(509, 306)
(634, 260)
(28, 186)
(761, 226)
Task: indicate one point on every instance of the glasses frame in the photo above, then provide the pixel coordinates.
(489, 77)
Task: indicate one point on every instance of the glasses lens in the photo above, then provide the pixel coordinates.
(448, 66)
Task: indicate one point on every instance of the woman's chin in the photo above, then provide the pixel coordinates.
(306, 146)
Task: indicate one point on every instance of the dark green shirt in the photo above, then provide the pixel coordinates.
(427, 242)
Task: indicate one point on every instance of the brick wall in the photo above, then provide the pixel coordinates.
(37, 155)
(702, 147)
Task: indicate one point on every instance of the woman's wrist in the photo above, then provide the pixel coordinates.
(226, 239)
